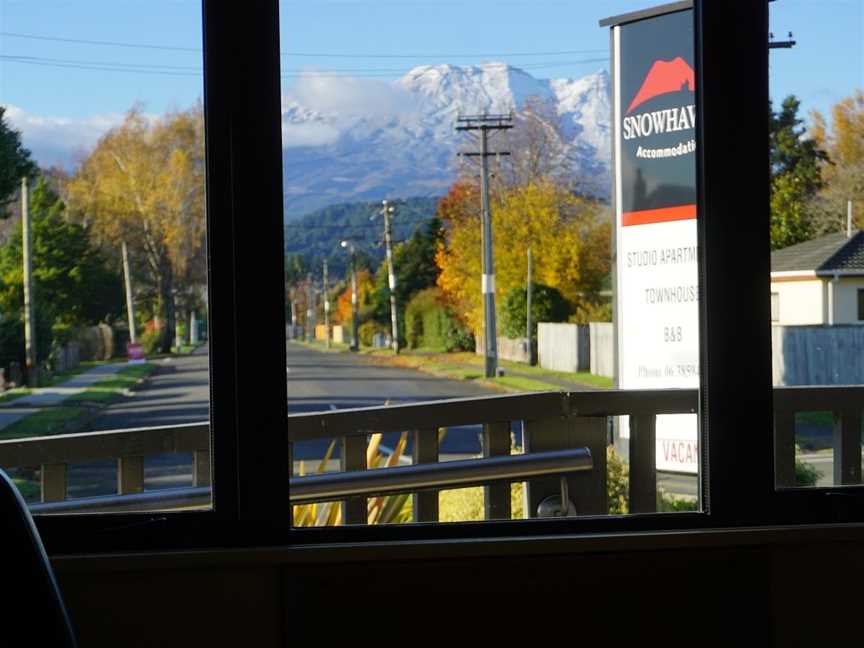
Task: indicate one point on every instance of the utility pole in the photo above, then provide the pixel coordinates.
(130, 306)
(355, 316)
(326, 304)
(310, 309)
(29, 319)
(848, 219)
(531, 360)
(486, 123)
(389, 210)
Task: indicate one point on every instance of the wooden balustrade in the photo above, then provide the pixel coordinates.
(550, 421)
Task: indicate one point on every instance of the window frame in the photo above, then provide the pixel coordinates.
(248, 416)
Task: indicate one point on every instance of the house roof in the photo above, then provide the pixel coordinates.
(830, 253)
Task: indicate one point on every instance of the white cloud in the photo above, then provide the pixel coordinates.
(308, 134)
(59, 141)
(350, 96)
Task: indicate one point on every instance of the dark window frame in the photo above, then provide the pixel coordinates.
(248, 386)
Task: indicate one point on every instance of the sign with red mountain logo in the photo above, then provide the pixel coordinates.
(656, 270)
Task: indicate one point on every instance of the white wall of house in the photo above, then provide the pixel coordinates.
(846, 300)
(808, 301)
(801, 302)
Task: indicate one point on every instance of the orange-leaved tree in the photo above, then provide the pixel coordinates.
(569, 237)
(365, 288)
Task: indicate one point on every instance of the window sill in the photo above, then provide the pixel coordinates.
(707, 539)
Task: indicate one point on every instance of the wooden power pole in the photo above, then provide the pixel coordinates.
(130, 305)
(29, 318)
(486, 123)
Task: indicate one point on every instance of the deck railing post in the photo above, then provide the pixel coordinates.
(425, 450)
(847, 446)
(784, 446)
(130, 475)
(587, 489)
(496, 497)
(643, 463)
(53, 480)
(354, 510)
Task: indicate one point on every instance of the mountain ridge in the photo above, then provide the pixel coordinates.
(354, 140)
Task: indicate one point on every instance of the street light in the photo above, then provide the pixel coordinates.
(355, 317)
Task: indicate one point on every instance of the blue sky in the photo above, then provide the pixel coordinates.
(55, 98)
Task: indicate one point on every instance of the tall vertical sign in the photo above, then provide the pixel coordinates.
(657, 323)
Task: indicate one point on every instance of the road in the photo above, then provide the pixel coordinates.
(179, 393)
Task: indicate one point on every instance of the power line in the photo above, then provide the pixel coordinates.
(302, 226)
(179, 70)
(80, 41)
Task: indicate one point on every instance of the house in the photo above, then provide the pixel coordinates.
(758, 566)
(819, 282)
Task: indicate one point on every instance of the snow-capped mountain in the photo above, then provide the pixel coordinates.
(347, 139)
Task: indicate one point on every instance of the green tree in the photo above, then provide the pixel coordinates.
(547, 305)
(15, 163)
(415, 269)
(795, 176)
(72, 283)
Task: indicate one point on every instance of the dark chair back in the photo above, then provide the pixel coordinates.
(33, 613)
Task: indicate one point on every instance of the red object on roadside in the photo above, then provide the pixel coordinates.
(135, 352)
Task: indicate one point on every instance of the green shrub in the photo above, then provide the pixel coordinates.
(429, 323)
(587, 311)
(547, 305)
(617, 483)
(150, 341)
(368, 329)
(805, 474)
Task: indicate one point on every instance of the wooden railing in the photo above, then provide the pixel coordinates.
(550, 421)
(53, 454)
(845, 403)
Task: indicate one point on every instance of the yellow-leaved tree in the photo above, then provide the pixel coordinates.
(843, 172)
(568, 236)
(143, 184)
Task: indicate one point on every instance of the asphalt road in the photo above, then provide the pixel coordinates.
(179, 393)
(319, 381)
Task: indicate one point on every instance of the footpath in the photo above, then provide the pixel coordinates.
(45, 397)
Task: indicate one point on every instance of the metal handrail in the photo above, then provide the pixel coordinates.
(450, 474)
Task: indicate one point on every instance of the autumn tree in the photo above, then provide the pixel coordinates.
(537, 146)
(144, 184)
(365, 306)
(569, 237)
(843, 172)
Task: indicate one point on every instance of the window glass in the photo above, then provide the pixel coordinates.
(392, 148)
(817, 153)
(103, 279)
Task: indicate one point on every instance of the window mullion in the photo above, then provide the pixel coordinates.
(248, 399)
(733, 190)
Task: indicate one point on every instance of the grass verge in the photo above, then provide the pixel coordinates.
(62, 419)
(76, 411)
(464, 365)
(14, 394)
(112, 388)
